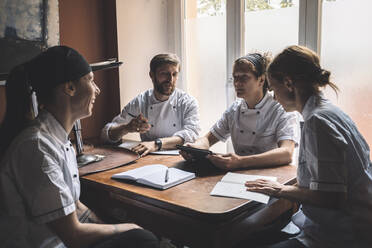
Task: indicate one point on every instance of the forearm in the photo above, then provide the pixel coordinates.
(76, 234)
(117, 132)
(206, 141)
(171, 142)
(277, 156)
(334, 200)
(89, 233)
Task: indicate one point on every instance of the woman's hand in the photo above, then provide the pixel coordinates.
(228, 161)
(188, 156)
(267, 187)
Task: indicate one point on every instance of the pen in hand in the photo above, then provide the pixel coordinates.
(132, 115)
(166, 175)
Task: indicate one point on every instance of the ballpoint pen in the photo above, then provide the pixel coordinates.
(134, 116)
(166, 175)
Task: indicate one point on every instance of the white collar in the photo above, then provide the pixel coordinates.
(313, 102)
(156, 101)
(53, 126)
(259, 105)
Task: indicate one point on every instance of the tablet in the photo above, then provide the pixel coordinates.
(195, 152)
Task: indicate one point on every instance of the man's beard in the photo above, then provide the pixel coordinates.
(161, 88)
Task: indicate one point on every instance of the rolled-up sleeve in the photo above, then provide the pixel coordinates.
(326, 155)
(123, 118)
(191, 121)
(41, 182)
(288, 127)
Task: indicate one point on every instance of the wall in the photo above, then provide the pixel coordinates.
(26, 28)
(89, 26)
(142, 33)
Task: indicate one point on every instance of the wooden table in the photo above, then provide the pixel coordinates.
(186, 213)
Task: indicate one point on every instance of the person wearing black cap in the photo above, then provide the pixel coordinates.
(262, 133)
(39, 182)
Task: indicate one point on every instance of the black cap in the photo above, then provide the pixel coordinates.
(54, 66)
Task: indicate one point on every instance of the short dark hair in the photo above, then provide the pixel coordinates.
(164, 58)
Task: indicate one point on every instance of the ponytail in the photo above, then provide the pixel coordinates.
(18, 106)
(303, 67)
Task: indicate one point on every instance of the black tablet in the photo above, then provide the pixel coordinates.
(195, 152)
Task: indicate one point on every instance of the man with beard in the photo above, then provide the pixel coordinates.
(164, 116)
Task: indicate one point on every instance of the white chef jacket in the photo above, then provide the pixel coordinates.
(178, 116)
(334, 157)
(257, 130)
(39, 183)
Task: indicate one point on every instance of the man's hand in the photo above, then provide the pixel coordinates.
(139, 124)
(228, 161)
(145, 147)
(265, 186)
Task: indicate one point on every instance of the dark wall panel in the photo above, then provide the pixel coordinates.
(89, 26)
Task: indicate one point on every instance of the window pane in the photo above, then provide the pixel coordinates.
(205, 35)
(270, 25)
(346, 50)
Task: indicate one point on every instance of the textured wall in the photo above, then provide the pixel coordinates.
(26, 28)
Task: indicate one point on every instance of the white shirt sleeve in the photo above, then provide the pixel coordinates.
(325, 155)
(221, 129)
(288, 127)
(191, 123)
(133, 108)
(41, 182)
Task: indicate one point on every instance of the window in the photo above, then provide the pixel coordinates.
(205, 49)
(270, 25)
(346, 50)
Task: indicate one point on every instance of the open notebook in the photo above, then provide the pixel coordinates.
(154, 175)
(232, 185)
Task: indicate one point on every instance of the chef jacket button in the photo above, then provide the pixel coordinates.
(242, 131)
(253, 133)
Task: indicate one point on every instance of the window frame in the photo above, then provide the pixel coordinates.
(309, 35)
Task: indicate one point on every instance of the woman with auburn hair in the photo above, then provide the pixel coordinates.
(334, 175)
(39, 178)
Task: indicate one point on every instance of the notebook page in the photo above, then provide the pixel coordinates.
(141, 172)
(238, 191)
(175, 176)
(242, 178)
(129, 144)
(166, 152)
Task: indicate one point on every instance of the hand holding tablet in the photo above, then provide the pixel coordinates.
(196, 153)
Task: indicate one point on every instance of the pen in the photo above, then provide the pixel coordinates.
(134, 116)
(166, 175)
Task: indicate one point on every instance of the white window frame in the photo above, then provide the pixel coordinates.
(310, 23)
(309, 35)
